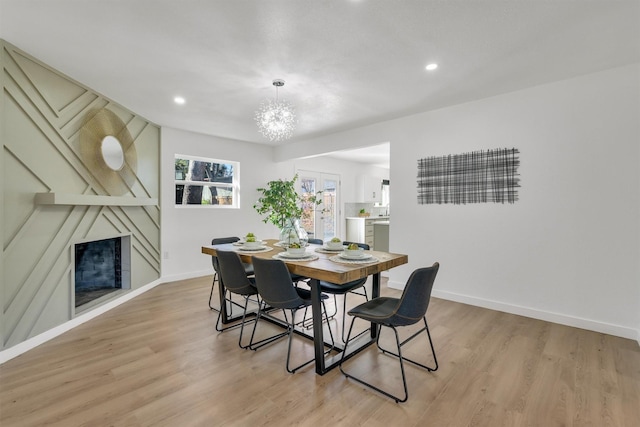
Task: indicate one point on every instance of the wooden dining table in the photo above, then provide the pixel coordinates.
(323, 268)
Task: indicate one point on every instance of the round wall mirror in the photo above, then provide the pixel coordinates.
(112, 152)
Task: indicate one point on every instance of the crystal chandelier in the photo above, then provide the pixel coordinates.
(276, 118)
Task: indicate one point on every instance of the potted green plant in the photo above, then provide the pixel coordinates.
(282, 206)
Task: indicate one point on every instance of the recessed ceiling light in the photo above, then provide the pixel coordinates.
(179, 100)
(431, 67)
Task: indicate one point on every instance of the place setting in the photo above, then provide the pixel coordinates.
(252, 244)
(353, 254)
(295, 252)
(333, 246)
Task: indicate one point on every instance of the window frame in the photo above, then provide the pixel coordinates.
(234, 186)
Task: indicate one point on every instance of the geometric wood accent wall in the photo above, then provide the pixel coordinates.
(41, 114)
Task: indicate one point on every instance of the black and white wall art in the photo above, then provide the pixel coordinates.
(478, 177)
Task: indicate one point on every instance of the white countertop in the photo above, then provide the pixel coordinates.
(382, 218)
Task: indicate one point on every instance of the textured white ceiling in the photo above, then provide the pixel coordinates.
(375, 155)
(346, 63)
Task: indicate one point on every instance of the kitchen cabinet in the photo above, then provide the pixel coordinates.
(381, 236)
(369, 189)
(361, 230)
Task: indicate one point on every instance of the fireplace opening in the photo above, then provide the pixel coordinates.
(101, 268)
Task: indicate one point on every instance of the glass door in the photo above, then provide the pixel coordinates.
(321, 222)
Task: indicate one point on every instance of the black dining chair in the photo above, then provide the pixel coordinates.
(214, 261)
(277, 291)
(235, 280)
(407, 310)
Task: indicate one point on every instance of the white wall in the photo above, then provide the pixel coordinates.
(568, 251)
(186, 229)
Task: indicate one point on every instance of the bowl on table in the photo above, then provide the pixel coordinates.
(354, 253)
(296, 251)
(252, 245)
(333, 245)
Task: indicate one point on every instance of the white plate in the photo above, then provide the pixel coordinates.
(359, 256)
(258, 248)
(332, 250)
(291, 256)
(242, 242)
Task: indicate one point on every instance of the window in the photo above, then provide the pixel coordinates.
(206, 182)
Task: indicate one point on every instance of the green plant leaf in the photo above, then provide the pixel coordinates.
(280, 201)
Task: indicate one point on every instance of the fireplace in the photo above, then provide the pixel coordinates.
(101, 268)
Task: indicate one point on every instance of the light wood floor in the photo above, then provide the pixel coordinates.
(157, 361)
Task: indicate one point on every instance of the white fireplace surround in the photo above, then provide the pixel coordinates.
(125, 261)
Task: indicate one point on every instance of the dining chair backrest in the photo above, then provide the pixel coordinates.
(315, 241)
(274, 284)
(361, 245)
(221, 241)
(233, 273)
(415, 297)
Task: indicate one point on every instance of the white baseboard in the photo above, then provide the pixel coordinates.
(33, 342)
(563, 319)
(186, 276)
(393, 284)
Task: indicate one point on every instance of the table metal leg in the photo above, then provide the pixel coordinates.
(375, 291)
(318, 338)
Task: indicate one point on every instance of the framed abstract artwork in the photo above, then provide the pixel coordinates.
(488, 176)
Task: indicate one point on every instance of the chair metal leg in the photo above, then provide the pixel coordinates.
(230, 306)
(290, 328)
(335, 308)
(326, 318)
(433, 352)
(289, 332)
(398, 355)
(241, 324)
(307, 322)
(213, 284)
(256, 345)
(344, 312)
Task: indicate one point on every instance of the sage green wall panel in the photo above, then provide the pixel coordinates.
(35, 262)
(31, 140)
(47, 292)
(17, 205)
(145, 224)
(146, 146)
(56, 90)
(50, 314)
(32, 250)
(144, 272)
(42, 114)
